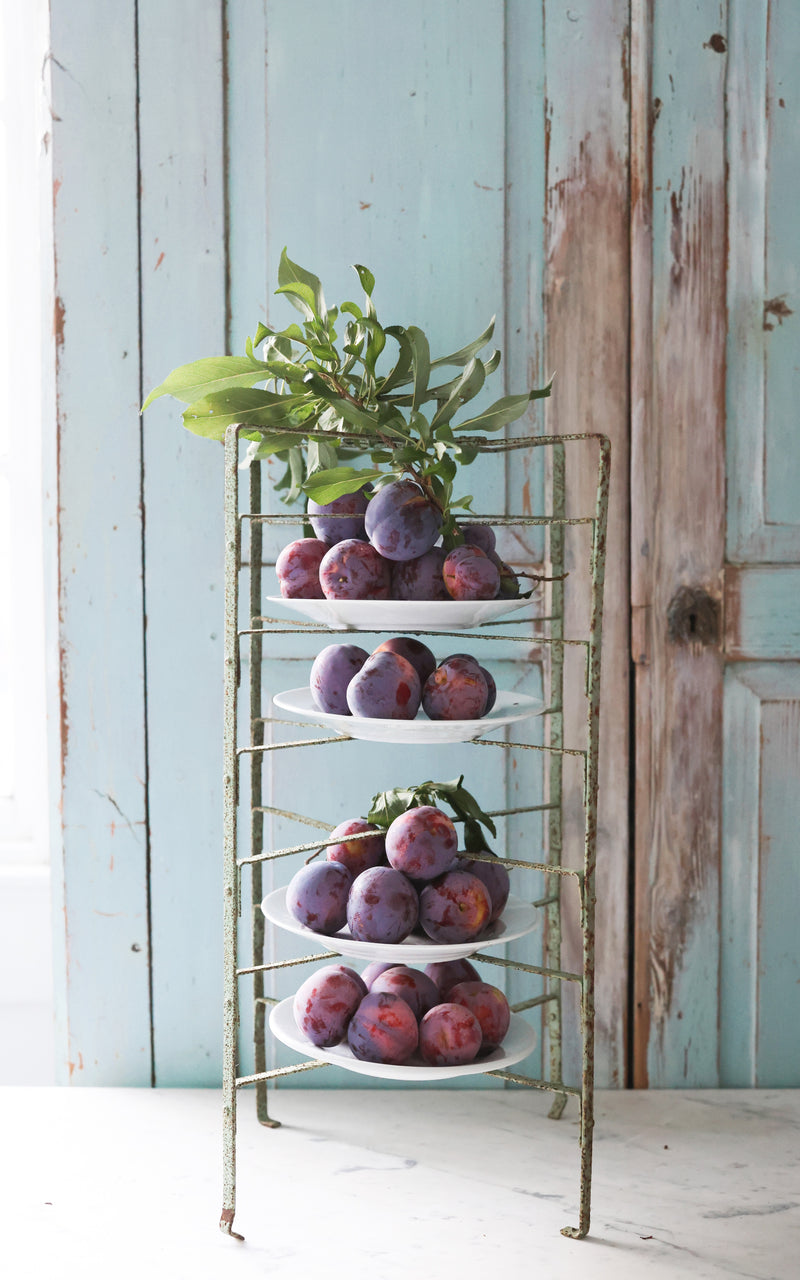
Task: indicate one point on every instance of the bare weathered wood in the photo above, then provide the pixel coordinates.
(587, 307)
(677, 530)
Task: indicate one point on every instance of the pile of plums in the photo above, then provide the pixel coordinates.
(390, 1012)
(383, 886)
(396, 679)
(384, 548)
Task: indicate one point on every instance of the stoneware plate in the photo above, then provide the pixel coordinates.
(518, 918)
(401, 615)
(519, 1042)
(508, 708)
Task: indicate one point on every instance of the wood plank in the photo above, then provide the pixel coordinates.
(100, 852)
(762, 385)
(677, 536)
(587, 310)
(760, 960)
(762, 612)
(183, 316)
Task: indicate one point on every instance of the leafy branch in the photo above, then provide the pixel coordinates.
(388, 805)
(317, 399)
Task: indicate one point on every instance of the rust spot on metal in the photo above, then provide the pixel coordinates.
(717, 42)
(657, 105)
(160, 260)
(776, 307)
(365, 204)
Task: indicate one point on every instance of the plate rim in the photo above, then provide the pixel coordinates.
(315, 607)
(469, 728)
(401, 1071)
(457, 950)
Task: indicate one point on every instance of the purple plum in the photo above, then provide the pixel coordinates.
(382, 905)
(495, 877)
(455, 907)
(489, 1006)
(401, 523)
(386, 688)
(384, 1029)
(475, 535)
(420, 579)
(449, 1036)
(491, 697)
(417, 989)
(414, 651)
(317, 896)
(326, 1002)
(354, 570)
(446, 973)
(341, 519)
(357, 855)
(297, 568)
(331, 673)
(422, 843)
(469, 574)
(457, 690)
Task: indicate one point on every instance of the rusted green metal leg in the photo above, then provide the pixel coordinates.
(588, 896)
(555, 776)
(256, 816)
(230, 1025)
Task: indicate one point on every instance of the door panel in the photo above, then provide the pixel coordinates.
(760, 961)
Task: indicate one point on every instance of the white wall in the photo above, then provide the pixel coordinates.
(26, 983)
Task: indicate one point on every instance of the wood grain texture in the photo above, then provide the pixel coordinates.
(183, 291)
(677, 532)
(100, 858)
(587, 315)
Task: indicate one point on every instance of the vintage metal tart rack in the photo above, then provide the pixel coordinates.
(248, 524)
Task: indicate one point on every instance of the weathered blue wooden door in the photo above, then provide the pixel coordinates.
(716, 543)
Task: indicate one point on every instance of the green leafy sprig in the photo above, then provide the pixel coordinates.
(317, 400)
(388, 805)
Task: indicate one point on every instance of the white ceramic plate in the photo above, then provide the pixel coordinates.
(508, 708)
(519, 1042)
(401, 615)
(518, 918)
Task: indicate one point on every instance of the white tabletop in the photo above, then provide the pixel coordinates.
(462, 1184)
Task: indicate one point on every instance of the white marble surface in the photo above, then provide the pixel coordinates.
(462, 1185)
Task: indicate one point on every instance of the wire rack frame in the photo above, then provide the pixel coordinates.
(236, 758)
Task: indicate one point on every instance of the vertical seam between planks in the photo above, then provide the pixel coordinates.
(226, 193)
(630, 1002)
(148, 861)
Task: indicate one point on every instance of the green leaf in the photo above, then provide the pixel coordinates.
(366, 277)
(297, 470)
(289, 273)
(327, 486)
(499, 414)
(464, 388)
(213, 414)
(300, 297)
(193, 381)
(352, 413)
(353, 309)
(398, 376)
(421, 362)
(471, 349)
(388, 805)
(320, 456)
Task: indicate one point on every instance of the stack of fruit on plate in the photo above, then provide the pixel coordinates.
(383, 547)
(390, 1012)
(396, 679)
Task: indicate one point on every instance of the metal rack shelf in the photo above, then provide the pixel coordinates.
(548, 633)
